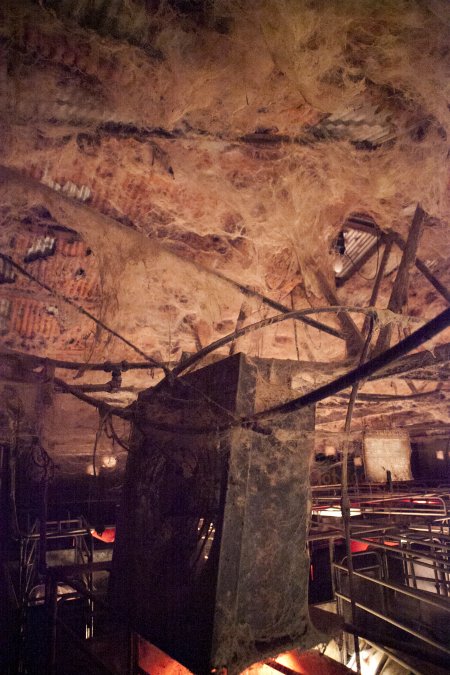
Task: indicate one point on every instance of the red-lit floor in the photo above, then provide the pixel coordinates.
(155, 662)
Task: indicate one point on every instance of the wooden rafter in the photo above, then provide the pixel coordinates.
(422, 267)
(353, 337)
(399, 294)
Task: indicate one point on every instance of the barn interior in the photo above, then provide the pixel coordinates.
(224, 337)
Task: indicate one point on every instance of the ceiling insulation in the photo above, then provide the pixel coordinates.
(195, 161)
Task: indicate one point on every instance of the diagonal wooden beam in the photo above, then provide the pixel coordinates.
(379, 278)
(399, 294)
(353, 337)
(441, 289)
(366, 225)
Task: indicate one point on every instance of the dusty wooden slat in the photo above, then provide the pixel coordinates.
(351, 332)
(422, 267)
(399, 294)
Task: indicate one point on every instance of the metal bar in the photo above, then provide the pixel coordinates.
(411, 631)
(51, 601)
(42, 564)
(395, 657)
(82, 646)
(397, 588)
(441, 582)
(61, 571)
(414, 540)
(400, 512)
(398, 551)
(410, 564)
(60, 535)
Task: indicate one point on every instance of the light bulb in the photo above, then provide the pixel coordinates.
(338, 265)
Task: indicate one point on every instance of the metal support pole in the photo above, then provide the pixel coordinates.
(51, 601)
(42, 566)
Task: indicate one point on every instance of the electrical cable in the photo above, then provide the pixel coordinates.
(416, 339)
(114, 436)
(380, 362)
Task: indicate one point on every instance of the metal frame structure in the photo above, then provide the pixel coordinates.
(407, 525)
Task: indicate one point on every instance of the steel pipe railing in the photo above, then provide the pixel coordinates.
(397, 624)
(397, 588)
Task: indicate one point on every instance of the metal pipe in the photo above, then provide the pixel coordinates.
(416, 339)
(51, 601)
(82, 646)
(42, 563)
(59, 535)
(399, 512)
(408, 630)
(396, 588)
(397, 551)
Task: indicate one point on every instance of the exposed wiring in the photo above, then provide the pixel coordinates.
(111, 433)
(98, 435)
(423, 334)
(40, 458)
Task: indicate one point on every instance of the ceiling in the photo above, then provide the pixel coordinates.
(179, 169)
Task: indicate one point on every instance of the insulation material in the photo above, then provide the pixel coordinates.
(387, 451)
(236, 136)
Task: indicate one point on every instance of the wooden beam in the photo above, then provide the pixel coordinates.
(378, 279)
(353, 337)
(239, 324)
(441, 289)
(363, 225)
(407, 364)
(399, 294)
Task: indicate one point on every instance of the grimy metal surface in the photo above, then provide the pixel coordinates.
(210, 560)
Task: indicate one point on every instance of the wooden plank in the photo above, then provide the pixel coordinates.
(399, 294)
(434, 281)
(353, 337)
(424, 359)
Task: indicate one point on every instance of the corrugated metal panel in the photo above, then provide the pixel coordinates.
(71, 268)
(30, 318)
(357, 244)
(26, 322)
